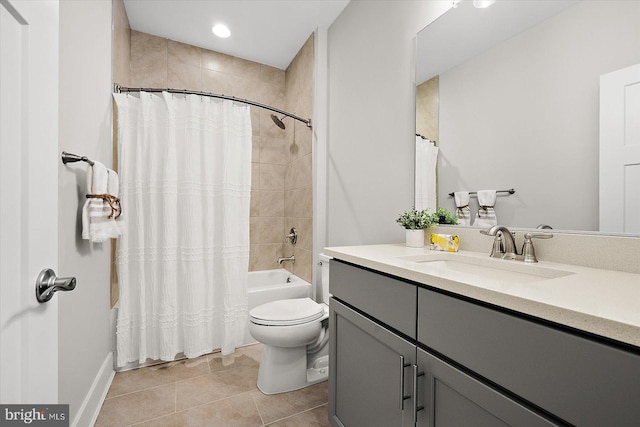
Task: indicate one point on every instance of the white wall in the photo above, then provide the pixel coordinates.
(85, 129)
(525, 114)
(372, 118)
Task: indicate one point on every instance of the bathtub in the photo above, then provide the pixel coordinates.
(271, 285)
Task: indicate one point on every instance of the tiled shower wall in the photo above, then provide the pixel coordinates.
(281, 159)
(427, 108)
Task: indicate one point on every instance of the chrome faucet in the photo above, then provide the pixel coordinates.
(291, 258)
(504, 245)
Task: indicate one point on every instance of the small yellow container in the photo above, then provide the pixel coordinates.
(445, 242)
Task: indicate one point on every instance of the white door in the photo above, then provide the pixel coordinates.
(28, 199)
(620, 151)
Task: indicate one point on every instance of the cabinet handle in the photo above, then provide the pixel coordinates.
(403, 397)
(416, 408)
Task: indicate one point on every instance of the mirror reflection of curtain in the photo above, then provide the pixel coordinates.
(425, 186)
(185, 169)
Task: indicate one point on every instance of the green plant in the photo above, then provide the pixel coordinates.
(443, 216)
(415, 220)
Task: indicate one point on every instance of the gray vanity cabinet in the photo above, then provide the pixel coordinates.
(466, 363)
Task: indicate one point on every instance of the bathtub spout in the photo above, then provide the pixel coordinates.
(289, 258)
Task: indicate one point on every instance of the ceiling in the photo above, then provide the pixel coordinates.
(442, 45)
(270, 32)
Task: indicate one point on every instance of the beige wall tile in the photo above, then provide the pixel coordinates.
(254, 206)
(270, 230)
(264, 256)
(183, 54)
(271, 203)
(273, 76)
(255, 120)
(255, 148)
(298, 203)
(255, 176)
(148, 60)
(217, 61)
(247, 69)
(272, 176)
(274, 150)
(182, 76)
(302, 267)
(217, 82)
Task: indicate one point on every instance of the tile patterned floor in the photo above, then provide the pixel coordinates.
(211, 390)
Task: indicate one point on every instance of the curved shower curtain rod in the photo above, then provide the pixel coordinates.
(119, 89)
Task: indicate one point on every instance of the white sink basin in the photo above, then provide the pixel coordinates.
(486, 272)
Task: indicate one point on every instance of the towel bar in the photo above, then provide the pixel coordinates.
(510, 191)
(71, 158)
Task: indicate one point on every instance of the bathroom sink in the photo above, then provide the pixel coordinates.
(486, 272)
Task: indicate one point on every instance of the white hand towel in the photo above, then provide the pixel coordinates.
(463, 212)
(425, 175)
(486, 216)
(98, 216)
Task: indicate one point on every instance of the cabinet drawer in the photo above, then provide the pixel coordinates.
(389, 300)
(584, 382)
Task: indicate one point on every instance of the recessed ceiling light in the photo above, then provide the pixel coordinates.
(481, 4)
(221, 30)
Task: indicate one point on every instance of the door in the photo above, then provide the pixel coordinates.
(28, 199)
(620, 151)
(370, 378)
(452, 398)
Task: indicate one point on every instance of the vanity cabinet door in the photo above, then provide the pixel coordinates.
(369, 366)
(452, 398)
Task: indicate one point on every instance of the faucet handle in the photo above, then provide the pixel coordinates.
(528, 251)
(497, 251)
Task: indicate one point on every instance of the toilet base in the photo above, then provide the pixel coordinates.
(286, 369)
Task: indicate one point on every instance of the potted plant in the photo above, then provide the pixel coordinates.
(443, 216)
(415, 223)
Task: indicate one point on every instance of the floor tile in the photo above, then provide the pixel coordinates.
(139, 406)
(216, 386)
(245, 356)
(317, 417)
(236, 411)
(274, 407)
(152, 376)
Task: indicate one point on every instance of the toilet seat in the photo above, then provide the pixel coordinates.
(287, 312)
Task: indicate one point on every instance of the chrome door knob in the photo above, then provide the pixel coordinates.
(47, 284)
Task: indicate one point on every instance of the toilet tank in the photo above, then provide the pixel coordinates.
(324, 276)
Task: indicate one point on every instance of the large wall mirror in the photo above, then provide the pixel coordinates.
(511, 93)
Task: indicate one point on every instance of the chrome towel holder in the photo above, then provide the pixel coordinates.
(72, 158)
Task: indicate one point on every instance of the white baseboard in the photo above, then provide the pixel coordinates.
(88, 412)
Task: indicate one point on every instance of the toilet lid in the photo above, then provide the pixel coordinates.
(287, 312)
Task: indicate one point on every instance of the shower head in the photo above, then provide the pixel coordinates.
(278, 121)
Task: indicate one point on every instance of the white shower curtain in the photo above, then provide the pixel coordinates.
(425, 175)
(185, 171)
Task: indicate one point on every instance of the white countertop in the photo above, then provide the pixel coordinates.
(603, 302)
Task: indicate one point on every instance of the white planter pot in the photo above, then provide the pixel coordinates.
(415, 238)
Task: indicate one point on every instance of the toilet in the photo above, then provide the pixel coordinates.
(295, 338)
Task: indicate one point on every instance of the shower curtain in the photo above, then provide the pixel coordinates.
(185, 171)
(425, 175)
